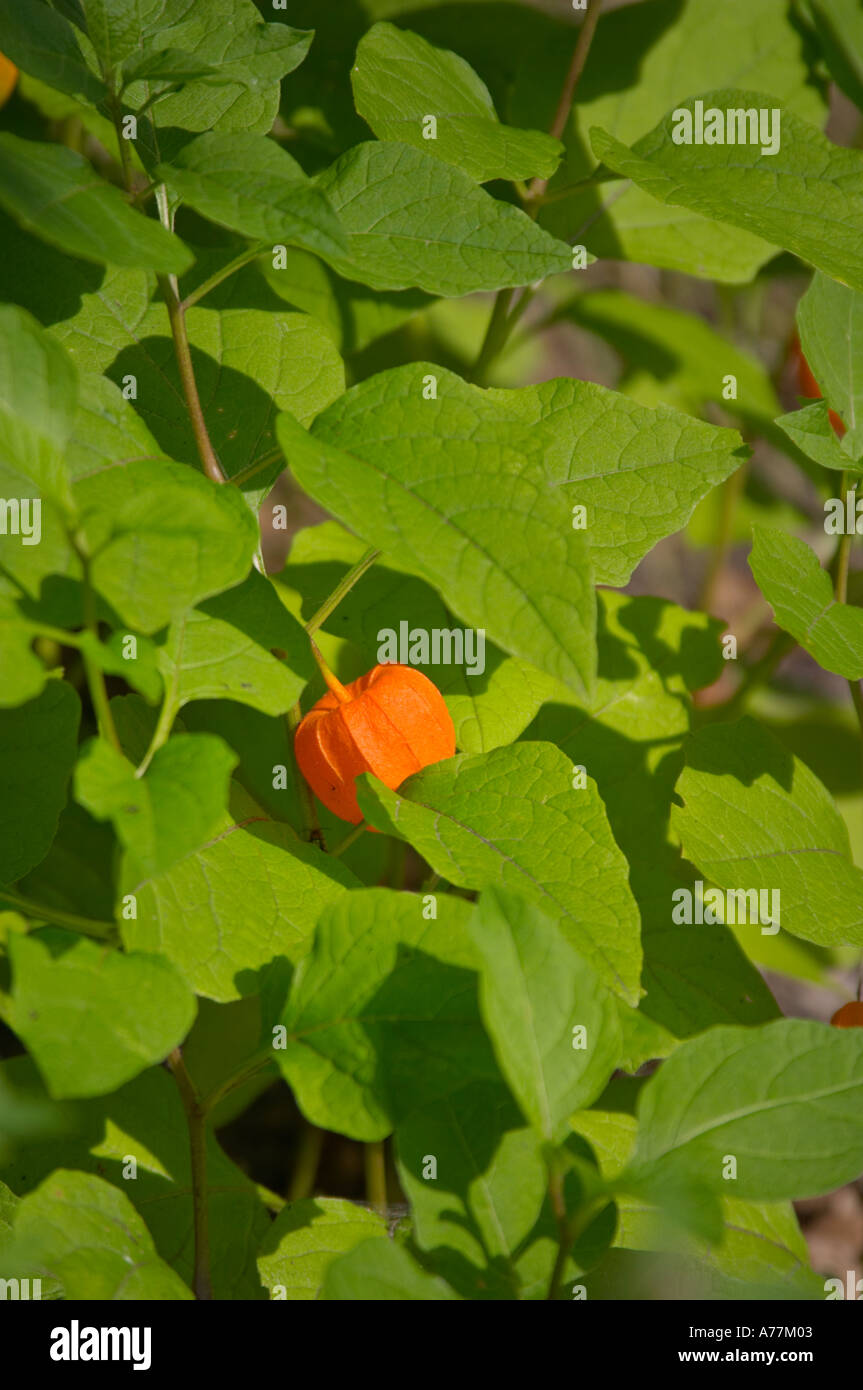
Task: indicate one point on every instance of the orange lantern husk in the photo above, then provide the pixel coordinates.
(8, 78)
(808, 386)
(849, 1016)
(392, 721)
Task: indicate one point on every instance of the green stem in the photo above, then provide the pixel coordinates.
(197, 1123)
(216, 279)
(257, 466)
(342, 588)
(349, 839)
(843, 560)
(757, 675)
(92, 669)
(249, 1068)
(731, 494)
(305, 1171)
(495, 338)
(125, 157)
(558, 1206)
(101, 931)
(165, 723)
(376, 1176)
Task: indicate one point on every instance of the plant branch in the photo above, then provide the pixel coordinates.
(376, 1176)
(495, 338)
(216, 279)
(92, 670)
(116, 109)
(306, 1166)
(197, 1123)
(249, 1068)
(101, 931)
(343, 588)
(567, 96)
(349, 839)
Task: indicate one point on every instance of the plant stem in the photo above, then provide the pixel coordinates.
(558, 1205)
(167, 715)
(177, 320)
(342, 588)
(757, 674)
(495, 338)
(332, 680)
(249, 1068)
(731, 493)
(567, 96)
(92, 669)
(349, 839)
(376, 1176)
(125, 158)
(257, 466)
(843, 553)
(843, 558)
(216, 279)
(197, 1123)
(86, 925)
(306, 1166)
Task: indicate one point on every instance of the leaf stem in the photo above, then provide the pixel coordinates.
(567, 96)
(197, 1123)
(843, 560)
(495, 338)
(249, 1068)
(376, 1176)
(92, 670)
(332, 680)
(349, 839)
(731, 494)
(311, 826)
(164, 724)
(177, 320)
(116, 109)
(218, 276)
(342, 588)
(308, 1159)
(101, 931)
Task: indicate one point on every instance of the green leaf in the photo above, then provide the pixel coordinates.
(759, 1095)
(38, 390)
(755, 818)
(806, 197)
(685, 358)
(513, 818)
(399, 469)
(23, 673)
(645, 59)
(168, 813)
(250, 896)
(250, 57)
(652, 655)
(145, 1120)
(399, 80)
(380, 1271)
(106, 431)
(248, 364)
(414, 222)
(37, 752)
(536, 995)
(77, 873)
(223, 651)
(830, 320)
(57, 195)
(811, 429)
(382, 1016)
(255, 188)
(305, 1238)
(488, 708)
(162, 538)
(474, 1213)
(41, 42)
(801, 595)
(93, 1018)
(168, 65)
(839, 29)
(352, 314)
(86, 1234)
(114, 28)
